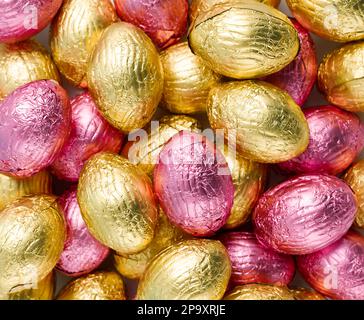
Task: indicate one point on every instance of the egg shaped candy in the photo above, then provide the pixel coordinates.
(305, 214)
(305, 294)
(260, 292)
(117, 203)
(189, 270)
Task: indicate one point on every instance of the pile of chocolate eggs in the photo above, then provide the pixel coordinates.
(164, 167)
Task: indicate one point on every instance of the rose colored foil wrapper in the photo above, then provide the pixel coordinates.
(34, 124)
(82, 253)
(305, 214)
(337, 271)
(22, 19)
(164, 21)
(90, 134)
(251, 262)
(336, 139)
(193, 183)
(299, 77)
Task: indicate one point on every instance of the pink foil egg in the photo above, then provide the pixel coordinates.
(336, 139)
(305, 214)
(193, 184)
(22, 19)
(337, 271)
(34, 124)
(299, 77)
(251, 262)
(82, 253)
(90, 134)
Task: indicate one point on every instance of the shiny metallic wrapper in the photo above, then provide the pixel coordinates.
(244, 40)
(74, 34)
(305, 294)
(305, 214)
(268, 125)
(341, 77)
(189, 270)
(337, 270)
(125, 76)
(117, 203)
(336, 20)
(94, 286)
(260, 292)
(32, 234)
(24, 62)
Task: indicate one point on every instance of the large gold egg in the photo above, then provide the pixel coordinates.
(125, 76)
(74, 34)
(32, 235)
(336, 20)
(260, 292)
(188, 270)
(24, 62)
(117, 203)
(267, 124)
(100, 285)
(243, 40)
(341, 77)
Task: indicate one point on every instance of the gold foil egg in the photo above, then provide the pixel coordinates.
(32, 234)
(245, 39)
(305, 294)
(341, 77)
(335, 20)
(268, 125)
(144, 152)
(260, 292)
(125, 76)
(189, 270)
(117, 203)
(187, 80)
(100, 285)
(74, 34)
(24, 62)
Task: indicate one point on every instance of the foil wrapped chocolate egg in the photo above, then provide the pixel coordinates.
(82, 253)
(299, 77)
(90, 134)
(251, 262)
(187, 80)
(336, 139)
(305, 214)
(244, 39)
(267, 124)
(22, 19)
(189, 270)
(74, 34)
(125, 76)
(144, 152)
(193, 184)
(101, 285)
(32, 234)
(117, 203)
(341, 77)
(34, 124)
(305, 294)
(164, 21)
(24, 62)
(337, 271)
(335, 20)
(260, 292)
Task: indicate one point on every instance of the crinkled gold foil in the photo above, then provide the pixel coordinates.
(305, 294)
(260, 292)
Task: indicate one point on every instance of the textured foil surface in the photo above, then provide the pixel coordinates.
(305, 214)
(260, 292)
(305, 294)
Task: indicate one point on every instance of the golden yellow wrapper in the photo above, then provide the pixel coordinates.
(341, 77)
(24, 62)
(144, 153)
(336, 20)
(189, 270)
(117, 203)
(32, 235)
(94, 286)
(260, 292)
(187, 80)
(244, 40)
(74, 34)
(269, 126)
(304, 294)
(125, 76)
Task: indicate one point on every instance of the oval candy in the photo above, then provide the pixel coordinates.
(260, 292)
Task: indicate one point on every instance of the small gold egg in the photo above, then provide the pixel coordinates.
(260, 292)
(305, 294)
